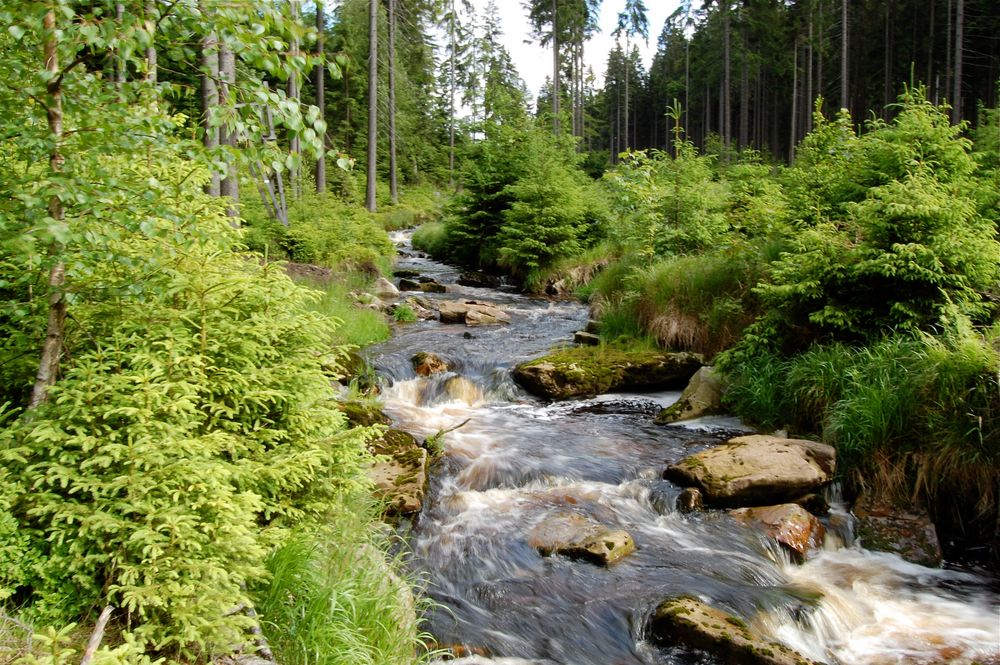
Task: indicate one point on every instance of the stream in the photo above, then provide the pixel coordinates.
(519, 460)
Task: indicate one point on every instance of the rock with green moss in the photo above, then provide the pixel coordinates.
(363, 414)
(701, 397)
(908, 532)
(689, 622)
(756, 470)
(400, 472)
(578, 537)
(581, 371)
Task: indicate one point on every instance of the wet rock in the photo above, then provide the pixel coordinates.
(426, 363)
(790, 524)
(757, 469)
(586, 338)
(577, 537)
(701, 397)
(363, 414)
(694, 624)
(408, 285)
(385, 290)
(593, 327)
(400, 476)
(480, 280)
(580, 371)
(559, 288)
(404, 272)
(690, 500)
(458, 311)
(910, 533)
(433, 287)
(420, 309)
(814, 502)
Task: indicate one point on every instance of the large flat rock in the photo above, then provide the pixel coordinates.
(400, 474)
(471, 313)
(756, 470)
(694, 624)
(581, 371)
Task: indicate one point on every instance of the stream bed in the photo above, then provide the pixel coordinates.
(519, 460)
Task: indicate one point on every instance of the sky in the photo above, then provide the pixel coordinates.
(534, 62)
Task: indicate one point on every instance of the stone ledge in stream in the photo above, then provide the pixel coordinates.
(400, 475)
(582, 371)
(577, 537)
(692, 623)
(471, 313)
(756, 470)
(909, 532)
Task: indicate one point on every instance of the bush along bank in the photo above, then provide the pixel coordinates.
(850, 297)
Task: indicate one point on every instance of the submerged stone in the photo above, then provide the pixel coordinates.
(790, 524)
(694, 624)
(578, 537)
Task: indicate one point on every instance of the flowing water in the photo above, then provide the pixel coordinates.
(518, 460)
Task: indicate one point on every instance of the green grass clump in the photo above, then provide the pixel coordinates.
(432, 238)
(359, 326)
(337, 597)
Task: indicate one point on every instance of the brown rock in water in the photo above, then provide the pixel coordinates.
(690, 500)
(790, 524)
(385, 290)
(757, 469)
(400, 478)
(586, 338)
(910, 533)
(701, 397)
(433, 287)
(471, 312)
(426, 363)
(694, 624)
(577, 537)
(408, 285)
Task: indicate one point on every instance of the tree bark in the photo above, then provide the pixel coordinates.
(956, 100)
(295, 143)
(555, 67)
(793, 135)
(844, 43)
(210, 99)
(48, 364)
(372, 103)
(151, 49)
(230, 185)
(727, 107)
(393, 179)
(451, 95)
(321, 93)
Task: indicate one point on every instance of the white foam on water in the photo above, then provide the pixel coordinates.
(876, 608)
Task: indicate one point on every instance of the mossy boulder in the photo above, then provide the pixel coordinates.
(578, 537)
(400, 472)
(790, 524)
(426, 363)
(694, 624)
(908, 532)
(363, 414)
(701, 397)
(581, 371)
(756, 470)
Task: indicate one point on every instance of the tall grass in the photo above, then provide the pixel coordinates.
(359, 326)
(338, 597)
(432, 238)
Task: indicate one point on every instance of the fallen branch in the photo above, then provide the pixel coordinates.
(96, 636)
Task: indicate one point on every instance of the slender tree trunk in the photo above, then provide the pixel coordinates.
(230, 185)
(727, 107)
(819, 60)
(372, 103)
(929, 77)
(321, 92)
(793, 135)
(886, 60)
(48, 364)
(210, 99)
(555, 66)
(151, 17)
(451, 97)
(393, 182)
(810, 93)
(628, 67)
(948, 72)
(744, 93)
(295, 144)
(956, 101)
(844, 43)
(119, 60)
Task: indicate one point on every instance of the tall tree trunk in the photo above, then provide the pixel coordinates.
(151, 18)
(887, 60)
(956, 98)
(295, 144)
(844, 43)
(230, 185)
(929, 77)
(321, 92)
(628, 68)
(210, 99)
(393, 182)
(372, 103)
(810, 93)
(793, 135)
(744, 93)
(555, 66)
(48, 364)
(119, 60)
(948, 51)
(727, 84)
(451, 96)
